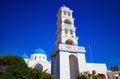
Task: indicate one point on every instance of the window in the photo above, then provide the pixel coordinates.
(66, 31)
(35, 57)
(64, 13)
(71, 32)
(68, 14)
(39, 56)
(67, 22)
(43, 57)
(38, 66)
(69, 42)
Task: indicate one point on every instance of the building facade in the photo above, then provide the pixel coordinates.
(68, 58)
(38, 60)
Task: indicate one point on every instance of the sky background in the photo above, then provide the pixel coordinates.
(26, 25)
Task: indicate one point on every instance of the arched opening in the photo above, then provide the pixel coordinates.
(73, 66)
(69, 42)
(71, 32)
(64, 13)
(66, 31)
(67, 22)
(68, 14)
(38, 66)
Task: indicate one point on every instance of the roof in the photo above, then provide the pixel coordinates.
(39, 51)
(25, 56)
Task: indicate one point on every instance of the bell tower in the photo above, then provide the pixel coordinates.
(66, 30)
(65, 56)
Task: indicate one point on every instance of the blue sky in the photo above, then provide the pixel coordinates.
(26, 25)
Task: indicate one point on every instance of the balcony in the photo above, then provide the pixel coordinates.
(71, 48)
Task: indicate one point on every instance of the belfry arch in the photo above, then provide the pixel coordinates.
(67, 21)
(73, 63)
(69, 42)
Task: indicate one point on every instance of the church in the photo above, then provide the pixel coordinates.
(68, 58)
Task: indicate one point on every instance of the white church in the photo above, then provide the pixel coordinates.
(68, 58)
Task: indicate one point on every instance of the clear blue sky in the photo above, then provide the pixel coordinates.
(26, 25)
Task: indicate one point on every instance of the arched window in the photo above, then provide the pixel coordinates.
(67, 22)
(38, 66)
(69, 42)
(66, 31)
(64, 13)
(68, 14)
(71, 32)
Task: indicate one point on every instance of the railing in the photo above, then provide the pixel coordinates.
(71, 48)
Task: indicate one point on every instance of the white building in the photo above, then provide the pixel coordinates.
(38, 60)
(68, 58)
(113, 74)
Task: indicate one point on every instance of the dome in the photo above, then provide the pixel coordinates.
(25, 56)
(39, 51)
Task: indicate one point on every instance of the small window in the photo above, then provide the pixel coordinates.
(39, 56)
(68, 14)
(35, 57)
(71, 32)
(64, 13)
(43, 57)
(66, 31)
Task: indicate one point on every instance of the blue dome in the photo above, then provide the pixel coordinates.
(39, 51)
(25, 56)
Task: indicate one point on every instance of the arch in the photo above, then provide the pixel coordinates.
(64, 12)
(71, 32)
(68, 13)
(66, 31)
(73, 62)
(38, 66)
(69, 42)
(67, 22)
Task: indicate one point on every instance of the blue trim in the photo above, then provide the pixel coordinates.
(66, 51)
(70, 51)
(63, 51)
(80, 52)
(64, 43)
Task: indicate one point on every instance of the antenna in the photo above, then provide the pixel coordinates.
(90, 53)
(91, 56)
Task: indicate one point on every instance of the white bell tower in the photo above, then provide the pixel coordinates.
(65, 56)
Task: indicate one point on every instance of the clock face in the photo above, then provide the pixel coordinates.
(69, 42)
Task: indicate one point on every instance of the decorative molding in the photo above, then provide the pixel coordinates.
(72, 48)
